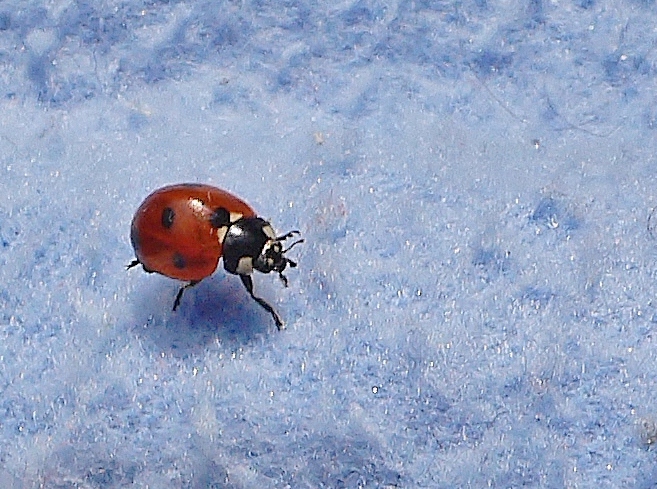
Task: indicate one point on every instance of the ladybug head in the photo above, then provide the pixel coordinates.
(251, 244)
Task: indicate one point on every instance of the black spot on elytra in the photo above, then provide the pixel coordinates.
(220, 218)
(179, 261)
(167, 217)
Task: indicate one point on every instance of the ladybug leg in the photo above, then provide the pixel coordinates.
(289, 262)
(283, 278)
(248, 285)
(136, 262)
(176, 303)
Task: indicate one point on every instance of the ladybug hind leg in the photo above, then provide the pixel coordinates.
(136, 262)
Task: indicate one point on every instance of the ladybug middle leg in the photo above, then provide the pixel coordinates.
(176, 303)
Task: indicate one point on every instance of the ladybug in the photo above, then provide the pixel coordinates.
(181, 231)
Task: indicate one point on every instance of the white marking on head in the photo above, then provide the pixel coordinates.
(269, 231)
(236, 231)
(235, 216)
(245, 266)
(221, 233)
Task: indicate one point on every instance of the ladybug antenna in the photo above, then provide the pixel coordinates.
(299, 241)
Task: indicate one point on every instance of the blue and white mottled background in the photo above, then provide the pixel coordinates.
(475, 303)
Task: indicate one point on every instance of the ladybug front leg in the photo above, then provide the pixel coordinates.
(248, 285)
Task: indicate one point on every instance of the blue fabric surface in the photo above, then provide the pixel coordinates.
(475, 300)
